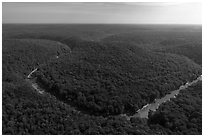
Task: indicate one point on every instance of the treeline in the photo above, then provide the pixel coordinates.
(63, 31)
(155, 38)
(113, 79)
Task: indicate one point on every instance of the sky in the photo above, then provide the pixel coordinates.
(100, 12)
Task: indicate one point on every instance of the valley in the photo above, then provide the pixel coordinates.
(99, 79)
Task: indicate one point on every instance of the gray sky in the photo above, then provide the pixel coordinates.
(139, 13)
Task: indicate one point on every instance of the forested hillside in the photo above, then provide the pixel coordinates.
(192, 51)
(93, 73)
(177, 40)
(115, 79)
(23, 55)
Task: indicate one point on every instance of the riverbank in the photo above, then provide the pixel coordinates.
(144, 111)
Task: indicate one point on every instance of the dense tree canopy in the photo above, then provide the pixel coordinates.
(115, 79)
(93, 73)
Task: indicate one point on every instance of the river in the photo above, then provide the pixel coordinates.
(144, 111)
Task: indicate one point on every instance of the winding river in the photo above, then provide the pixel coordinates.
(144, 111)
(33, 80)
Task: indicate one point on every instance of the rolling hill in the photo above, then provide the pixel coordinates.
(93, 73)
(113, 79)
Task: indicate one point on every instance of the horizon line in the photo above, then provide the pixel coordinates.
(108, 23)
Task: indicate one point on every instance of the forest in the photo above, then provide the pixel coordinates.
(93, 78)
(94, 73)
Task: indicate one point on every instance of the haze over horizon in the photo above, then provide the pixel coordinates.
(102, 13)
